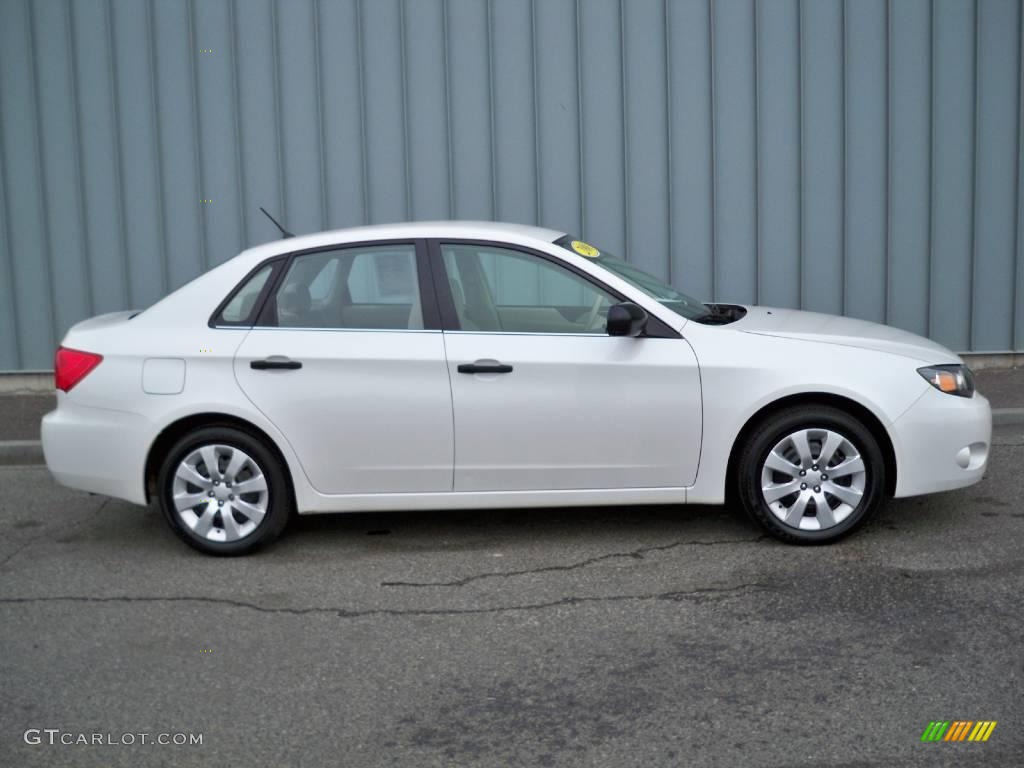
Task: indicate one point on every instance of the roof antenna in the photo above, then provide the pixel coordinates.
(284, 232)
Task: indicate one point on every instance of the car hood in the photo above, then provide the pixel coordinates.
(846, 331)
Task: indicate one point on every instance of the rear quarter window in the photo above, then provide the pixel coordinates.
(241, 308)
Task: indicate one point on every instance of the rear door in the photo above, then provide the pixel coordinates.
(543, 398)
(347, 360)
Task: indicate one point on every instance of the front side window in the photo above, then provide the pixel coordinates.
(503, 290)
(367, 287)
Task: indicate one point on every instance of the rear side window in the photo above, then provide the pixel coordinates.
(362, 287)
(240, 308)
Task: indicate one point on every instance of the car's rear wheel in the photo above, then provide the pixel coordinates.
(223, 492)
(811, 475)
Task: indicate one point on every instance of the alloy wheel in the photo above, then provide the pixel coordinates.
(220, 493)
(813, 479)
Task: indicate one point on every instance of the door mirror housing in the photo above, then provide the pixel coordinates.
(626, 319)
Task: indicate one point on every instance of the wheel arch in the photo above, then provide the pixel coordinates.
(176, 429)
(805, 399)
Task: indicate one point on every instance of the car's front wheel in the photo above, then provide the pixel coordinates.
(811, 475)
(223, 492)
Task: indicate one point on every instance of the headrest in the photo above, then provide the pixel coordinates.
(295, 299)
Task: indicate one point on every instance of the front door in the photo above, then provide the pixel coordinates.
(343, 364)
(543, 398)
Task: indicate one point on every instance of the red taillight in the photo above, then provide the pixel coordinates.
(70, 366)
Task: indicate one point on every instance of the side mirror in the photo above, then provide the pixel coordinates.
(626, 319)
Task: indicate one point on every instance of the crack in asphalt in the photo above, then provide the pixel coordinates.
(696, 595)
(24, 545)
(46, 534)
(636, 554)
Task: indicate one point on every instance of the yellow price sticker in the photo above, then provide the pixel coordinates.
(585, 249)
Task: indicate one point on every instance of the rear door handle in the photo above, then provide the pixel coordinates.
(479, 367)
(275, 363)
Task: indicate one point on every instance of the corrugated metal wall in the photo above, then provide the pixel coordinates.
(859, 157)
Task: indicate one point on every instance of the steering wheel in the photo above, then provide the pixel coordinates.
(589, 325)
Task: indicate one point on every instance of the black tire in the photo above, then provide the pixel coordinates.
(279, 499)
(776, 428)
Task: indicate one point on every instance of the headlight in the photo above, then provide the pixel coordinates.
(951, 379)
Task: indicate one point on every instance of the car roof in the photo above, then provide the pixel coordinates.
(477, 230)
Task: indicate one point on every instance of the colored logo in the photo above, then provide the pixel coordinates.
(958, 730)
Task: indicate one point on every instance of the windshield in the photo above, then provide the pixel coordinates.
(657, 289)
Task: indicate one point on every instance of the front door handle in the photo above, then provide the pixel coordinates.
(275, 363)
(480, 367)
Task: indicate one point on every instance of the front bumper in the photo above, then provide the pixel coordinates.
(97, 449)
(942, 442)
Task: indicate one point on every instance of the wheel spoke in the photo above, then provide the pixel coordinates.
(773, 493)
(803, 448)
(848, 466)
(205, 521)
(781, 464)
(235, 464)
(795, 513)
(846, 495)
(252, 485)
(209, 454)
(823, 511)
(230, 525)
(828, 448)
(183, 501)
(231, 529)
(190, 475)
(254, 513)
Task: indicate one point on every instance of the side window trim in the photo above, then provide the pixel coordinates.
(268, 300)
(264, 317)
(429, 300)
(442, 288)
(656, 328)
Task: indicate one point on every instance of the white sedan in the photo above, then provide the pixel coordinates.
(472, 365)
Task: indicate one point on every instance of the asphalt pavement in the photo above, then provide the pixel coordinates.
(652, 636)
